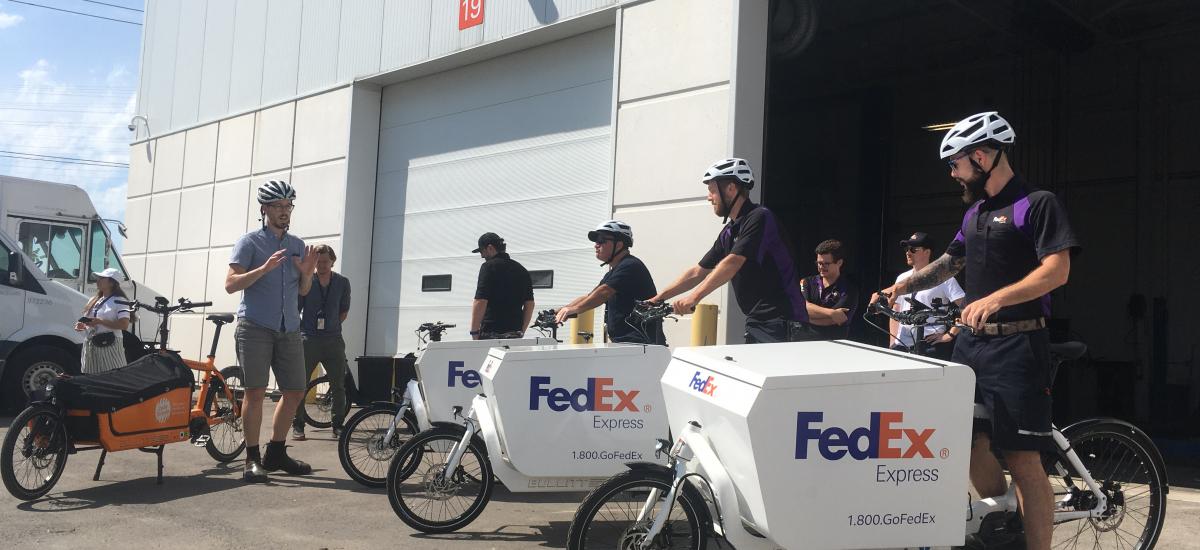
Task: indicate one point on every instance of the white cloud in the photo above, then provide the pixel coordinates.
(85, 120)
(9, 20)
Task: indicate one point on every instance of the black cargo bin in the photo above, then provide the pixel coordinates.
(378, 374)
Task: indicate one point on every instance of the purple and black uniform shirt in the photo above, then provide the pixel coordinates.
(767, 286)
(1005, 237)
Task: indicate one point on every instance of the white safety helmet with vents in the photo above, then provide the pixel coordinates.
(275, 190)
(619, 229)
(977, 130)
(732, 168)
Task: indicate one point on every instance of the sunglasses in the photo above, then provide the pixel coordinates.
(952, 162)
(913, 249)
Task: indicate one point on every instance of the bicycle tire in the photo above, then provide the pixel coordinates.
(635, 485)
(364, 455)
(1125, 465)
(414, 473)
(42, 453)
(226, 440)
(319, 412)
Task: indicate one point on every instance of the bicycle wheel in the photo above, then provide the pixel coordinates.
(34, 452)
(361, 447)
(226, 440)
(318, 403)
(425, 499)
(1125, 465)
(608, 517)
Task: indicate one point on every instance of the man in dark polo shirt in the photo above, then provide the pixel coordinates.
(322, 311)
(832, 299)
(751, 253)
(1016, 244)
(503, 304)
(626, 282)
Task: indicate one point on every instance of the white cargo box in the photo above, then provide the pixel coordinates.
(576, 411)
(449, 373)
(833, 444)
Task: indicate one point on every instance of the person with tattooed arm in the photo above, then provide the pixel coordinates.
(1015, 244)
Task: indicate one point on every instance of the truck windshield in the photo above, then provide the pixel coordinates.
(102, 255)
(56, 249)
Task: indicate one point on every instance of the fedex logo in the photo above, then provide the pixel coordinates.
(704, 386)
(597, 396)
(881, 439)
(458, 371)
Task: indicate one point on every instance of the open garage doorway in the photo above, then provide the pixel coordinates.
(1104, 96)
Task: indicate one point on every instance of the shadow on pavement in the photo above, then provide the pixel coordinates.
(551, 535)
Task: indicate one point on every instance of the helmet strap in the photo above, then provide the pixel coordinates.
(988, 173)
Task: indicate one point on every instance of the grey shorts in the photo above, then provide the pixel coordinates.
(260, 349)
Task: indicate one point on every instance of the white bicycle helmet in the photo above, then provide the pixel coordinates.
(618, 228)
(731, 168)
(976, 130)
(275, 190)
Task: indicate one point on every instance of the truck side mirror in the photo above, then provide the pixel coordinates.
(16, 269)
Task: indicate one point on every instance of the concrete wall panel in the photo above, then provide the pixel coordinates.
(405, 33)
(195, 217)
(273, 138)
(189, 63)
(322, 127)
(168, 162)
(320, 192)
(160, 272)
(191, 276)
(218, 268)
(693, 38)
(141, 169)
(200, 155)
(361, 36)
(664, 145)
(235, 147)
(164, 223)
(231, 201)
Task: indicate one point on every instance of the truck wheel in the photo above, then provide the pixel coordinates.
(32, 369)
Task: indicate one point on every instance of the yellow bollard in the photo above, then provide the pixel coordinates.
(704, 325)
(584, 322)
(310, 397)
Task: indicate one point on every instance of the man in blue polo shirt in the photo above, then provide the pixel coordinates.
(272, 269)
(752, 253)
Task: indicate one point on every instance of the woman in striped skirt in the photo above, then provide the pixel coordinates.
(103, 320)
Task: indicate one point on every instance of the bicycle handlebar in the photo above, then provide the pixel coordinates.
(645, 312)
(161, 306)
(938, 314)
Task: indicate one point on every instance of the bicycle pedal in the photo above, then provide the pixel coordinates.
(201, 440)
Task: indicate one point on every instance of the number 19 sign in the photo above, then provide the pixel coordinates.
(470, 13)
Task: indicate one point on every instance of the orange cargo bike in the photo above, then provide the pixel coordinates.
(144, 405)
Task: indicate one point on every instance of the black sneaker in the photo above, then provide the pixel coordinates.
(276, 458)
(253, 472)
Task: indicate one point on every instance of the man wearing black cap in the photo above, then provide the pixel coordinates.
(503, 303)
(917, 250)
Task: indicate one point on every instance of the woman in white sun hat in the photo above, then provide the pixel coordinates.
(103, 320)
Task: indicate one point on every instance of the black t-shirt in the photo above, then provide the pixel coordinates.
(766, 287)
(843, 294)
(1005, 237)
(632, 282)
(506, 285)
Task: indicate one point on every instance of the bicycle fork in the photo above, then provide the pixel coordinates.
(456, 454)
(405, 406)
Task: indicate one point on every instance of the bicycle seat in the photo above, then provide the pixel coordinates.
(221, 318)
(1069, 351)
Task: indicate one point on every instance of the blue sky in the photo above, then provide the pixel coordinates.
(67, 89)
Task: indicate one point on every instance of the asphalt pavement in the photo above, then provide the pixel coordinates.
(205, 505)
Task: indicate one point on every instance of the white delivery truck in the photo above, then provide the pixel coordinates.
(56, 228)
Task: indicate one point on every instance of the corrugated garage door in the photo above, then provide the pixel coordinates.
(519, 145)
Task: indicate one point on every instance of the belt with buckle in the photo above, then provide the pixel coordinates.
(1012, 327)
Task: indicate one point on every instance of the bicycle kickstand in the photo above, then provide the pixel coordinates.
(100, 465)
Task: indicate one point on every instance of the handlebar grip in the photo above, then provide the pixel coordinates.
(449, 326)
(200, 304)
